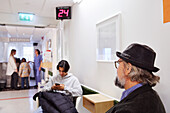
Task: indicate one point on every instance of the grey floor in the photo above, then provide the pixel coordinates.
(18, 101)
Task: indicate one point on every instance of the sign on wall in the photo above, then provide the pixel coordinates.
(63, 12)
(26, 16)
(19, 39)
(4, 39)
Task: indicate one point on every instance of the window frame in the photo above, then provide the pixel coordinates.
(116, 18)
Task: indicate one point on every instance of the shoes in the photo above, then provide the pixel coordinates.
(17, 88)
(36, 86)
(28, 87)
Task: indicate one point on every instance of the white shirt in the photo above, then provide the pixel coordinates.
(11, 67)
(71, 83)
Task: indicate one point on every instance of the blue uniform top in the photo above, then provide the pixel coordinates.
(37, 61)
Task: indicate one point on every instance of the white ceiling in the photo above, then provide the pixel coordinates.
(34, 34)
(44, 8)
(41, 8)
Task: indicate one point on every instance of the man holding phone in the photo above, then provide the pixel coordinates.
(64, 82)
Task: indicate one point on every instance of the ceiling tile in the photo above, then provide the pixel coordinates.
(28, 6)
(12, 31)
(25, 32)
(5, 6)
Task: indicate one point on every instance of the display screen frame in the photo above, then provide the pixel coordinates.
(63, 12)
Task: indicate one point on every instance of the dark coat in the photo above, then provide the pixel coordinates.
(141, 100)
(54, 102)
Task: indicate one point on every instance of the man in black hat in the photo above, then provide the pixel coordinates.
(135, 74)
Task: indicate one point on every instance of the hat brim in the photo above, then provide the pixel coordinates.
(142, 65)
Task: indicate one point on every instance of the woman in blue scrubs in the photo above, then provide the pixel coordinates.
(37, 66)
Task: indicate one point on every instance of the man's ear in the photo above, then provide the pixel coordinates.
(128, 69)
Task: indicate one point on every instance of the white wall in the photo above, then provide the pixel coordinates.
(141, 22)
(52, 34)
(2, 52)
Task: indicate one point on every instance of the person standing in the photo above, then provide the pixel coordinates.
(24, 72)
(37, 66)
(12, 70)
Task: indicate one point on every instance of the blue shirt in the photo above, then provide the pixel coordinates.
(37, 61)
(128, 91)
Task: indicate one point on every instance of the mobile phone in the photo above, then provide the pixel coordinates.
(57, 84)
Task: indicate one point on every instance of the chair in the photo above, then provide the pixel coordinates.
(74, 101)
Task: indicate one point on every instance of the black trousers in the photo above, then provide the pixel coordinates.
(14, 80)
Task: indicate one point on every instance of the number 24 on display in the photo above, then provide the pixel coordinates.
(62, 11)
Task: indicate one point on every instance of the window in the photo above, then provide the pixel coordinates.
(2, 52)
(28, 53)
(108, 38)
(23, 50)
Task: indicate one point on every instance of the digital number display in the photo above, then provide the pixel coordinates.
(63, 12)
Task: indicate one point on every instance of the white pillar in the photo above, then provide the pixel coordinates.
(54, 51)
(61, 30)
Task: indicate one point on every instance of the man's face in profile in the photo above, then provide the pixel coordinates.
(120, 79)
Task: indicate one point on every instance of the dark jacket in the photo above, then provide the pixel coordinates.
(54, 102)
(141, 100)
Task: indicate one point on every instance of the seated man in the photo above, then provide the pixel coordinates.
(135, 69)
(64, 82)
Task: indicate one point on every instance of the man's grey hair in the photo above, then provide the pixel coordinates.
(142, 76)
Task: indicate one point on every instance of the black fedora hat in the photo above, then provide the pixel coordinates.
(139, 55)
